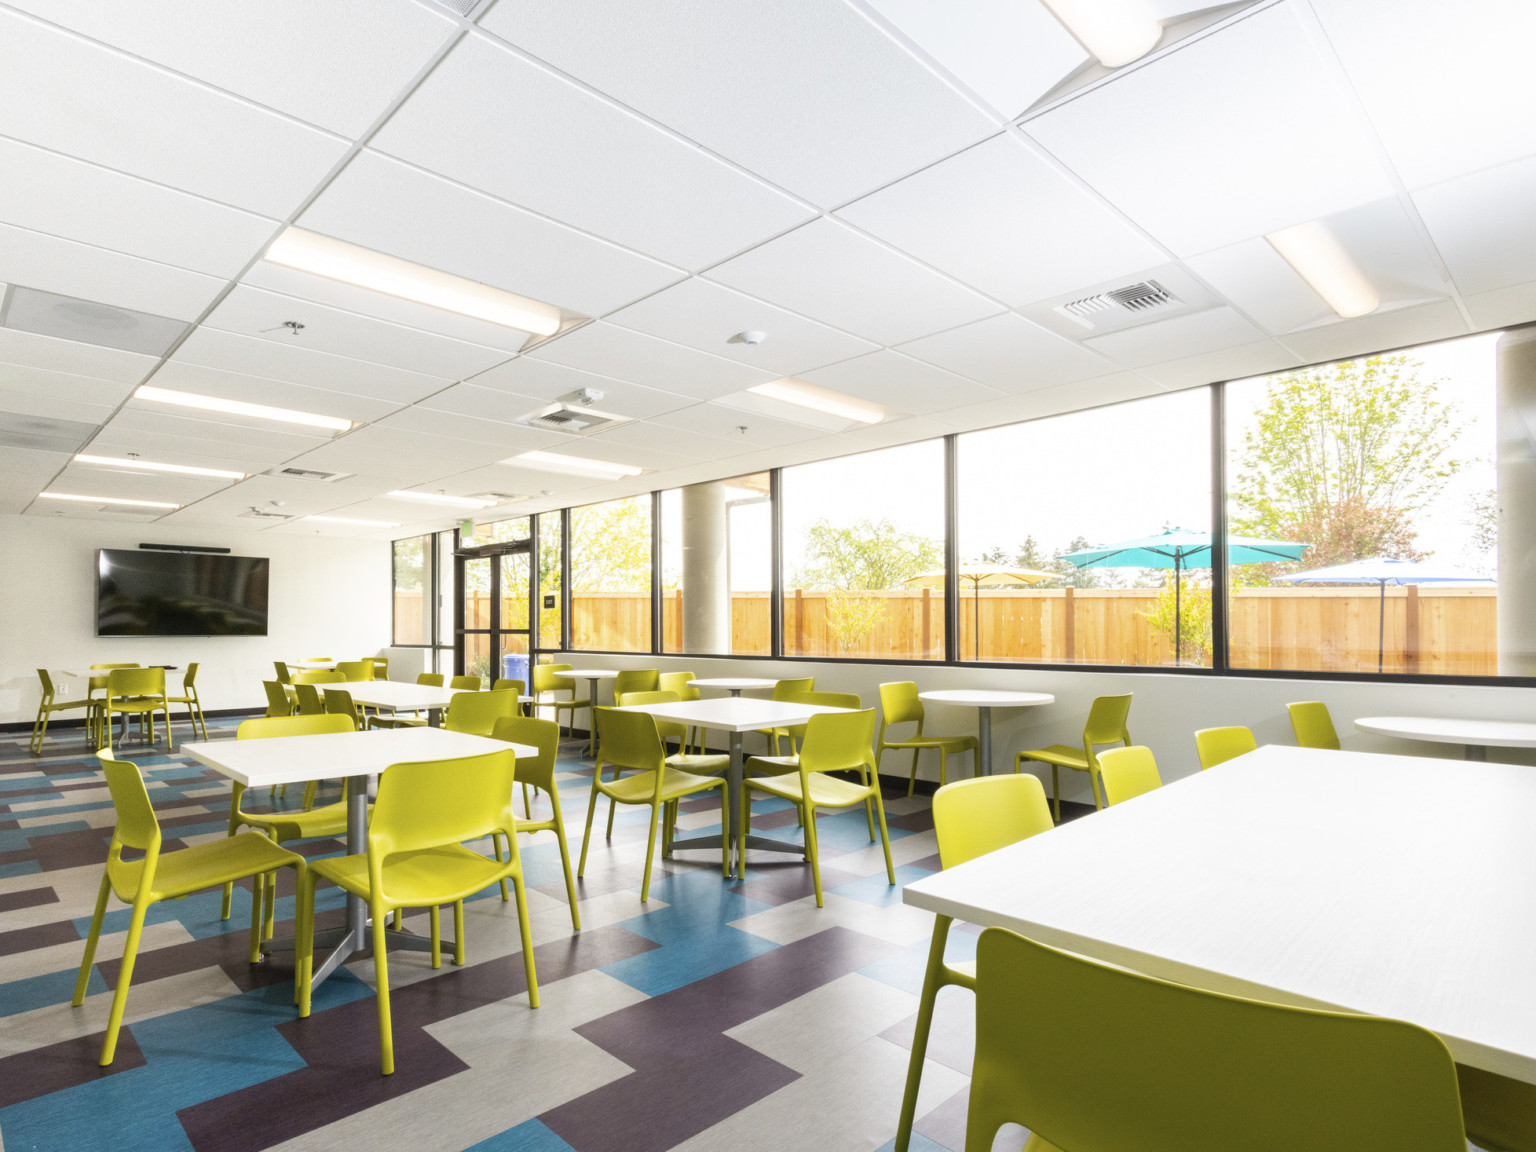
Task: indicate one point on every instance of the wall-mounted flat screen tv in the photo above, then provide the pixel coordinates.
(142, 593)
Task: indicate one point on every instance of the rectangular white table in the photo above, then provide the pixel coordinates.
(1253, 878)
(736, 715)
(296, 759)
(397, 697)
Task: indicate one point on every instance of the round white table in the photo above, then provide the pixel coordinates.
(984, 701)
(1477, 736)
(593, 676)
(734, 684)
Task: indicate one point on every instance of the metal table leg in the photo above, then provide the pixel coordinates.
(984, 742)
(734, 776)
(591, 717)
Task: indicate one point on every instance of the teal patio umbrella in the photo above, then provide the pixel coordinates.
(1178, 548)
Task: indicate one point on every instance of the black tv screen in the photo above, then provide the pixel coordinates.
(141, 593)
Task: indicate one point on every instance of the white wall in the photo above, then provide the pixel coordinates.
(1164, 715)
(328, 597)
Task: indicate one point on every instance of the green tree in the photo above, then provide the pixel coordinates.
(1030, 554)
(611, 546)
(865, 555)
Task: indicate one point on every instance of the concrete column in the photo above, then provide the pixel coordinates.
(706, 569)
(1517, 503)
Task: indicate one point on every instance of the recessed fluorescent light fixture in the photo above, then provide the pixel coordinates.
(365, 268)
(798, 392)
(572, 465)
(1115, 31)
(435, 498)
(350, 520)
(106, 500)
(151, 466)
(1319, 259)
(240, 408)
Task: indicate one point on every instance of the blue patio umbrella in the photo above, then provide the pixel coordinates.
(1178, 548)
(1382, 571)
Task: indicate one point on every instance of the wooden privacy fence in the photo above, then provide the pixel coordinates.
(1431, 630)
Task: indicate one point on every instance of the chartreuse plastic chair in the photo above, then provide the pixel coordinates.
(430, 679)
(779, 765)
(834, 742)
(785, 690)
(339, 702)
(416, 859)
(189, 698)
(630, 742)
(380, 667)
(1127, 772)
(1101, 1059)
(283, 675)
(135, 692)
(355, 670)
(50, 703)
(1312, 725)
(899, 705)
(539, 772)
(698, 764)
(477, 712)
(160, 876)
(278, 703)
(550, 678)
(682, 684)
(505, 685)
(1499, 1113)
(322, 676)
(309, 700)
(465, 683)
(1218, 745)
(970, 819)
(1106, 725)
(99, 683)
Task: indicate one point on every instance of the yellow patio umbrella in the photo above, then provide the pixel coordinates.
(980, 575)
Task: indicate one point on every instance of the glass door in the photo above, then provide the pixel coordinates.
(491, 610)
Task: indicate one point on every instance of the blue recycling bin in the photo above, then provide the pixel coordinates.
(515, 667)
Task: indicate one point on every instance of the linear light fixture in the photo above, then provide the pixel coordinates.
(105, 500)
(436, 498)
(1318, 258)
(350, 520)
(240, 408)
(365, 268)
(798, 392)
(151, 466)
(572, 465)
(1115, 31)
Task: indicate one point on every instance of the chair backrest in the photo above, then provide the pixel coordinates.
(191, 675)
(430, 679)
(135, 682)
(98, 682)
(509, 686)
(831, 699)
(430, 803)
(338, 702)
(630, 699)
(355, 670)
(322, 677)
(278, 703)
(1312, 725)
(630, 739)
(1106, 721)
(1092, 1057)
(548, 678)
(899, 703)
(679, 682)
(42, 674)
(974, 817)
(137, 826)
(539, 770)
(835, 741)
(1218, 745)
(319, 659)
(268, 726)
(283, 675)
(465, 683)
(793, 689)
(636, 680)
(1127, 772)
(309, 699)
(477, 712)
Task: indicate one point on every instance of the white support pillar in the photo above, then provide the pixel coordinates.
(706, 569)
(1517, 503)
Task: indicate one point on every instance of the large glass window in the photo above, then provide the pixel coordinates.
(611, 575)
(716, 567)
(1084, 538)
(1382, 473)
(413, 578)
(863, 538)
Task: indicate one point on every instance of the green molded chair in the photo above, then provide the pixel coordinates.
(283, 675)
(466, 683)
(834, 742)
(1312, 725)
(339, 702)
(355, 670)
(1218, 745)
(430, 679)
(682, 684)
(549, 678)
(970, 819)
(323, 676)
(416, 859)
(1499, 1113)
(1127, 772)
(99, 683)
(630, 742)
(135, 692)
(699, 764)
(539, 772)
(1106, 725)
(189, 698)
(160, 876)
(785, 690)
(49, 704)
(477, 712)
(636, 680)
(278, 703)
(309, 700)
(380, 667)
(505, 685)
(1097, 1058)
(899, 705)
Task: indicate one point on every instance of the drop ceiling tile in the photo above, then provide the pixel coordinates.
(28, 350)
(215, 428)
(908, 430)
(541, 141)
(811, 96)
(1377, 332)
(707, 316)
(1280, 145)
(272, 360)
(52, 407)
(1109, 389)
(181, 376)
(1010, 353)
(260, 314)
(612, 351)
(62, 196)
(395, 469)
(64, 93)
(383, 204)
(1447, 85)
(484, 404)
(337, 64)
(68, 268)
(63, 386)
(1257, 359)
(832, 274)
(1483, 225)
(1001, 218)
(509, 438)
(645, 434)
(748, 430)
(543, 381)
(900, 383)
(611, 452)
(522, 481)
(197, 451)
(1513, 305)
(383, 441)
(1176, 337)
(96, 480)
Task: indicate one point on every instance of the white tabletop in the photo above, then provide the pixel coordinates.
(734, 713)
(733, 683)
(985, 699)
(1450, 730)
(93, 673)
(1245, 879)
(393, 694)
(591, 673)
(312, 665)
(292, 759)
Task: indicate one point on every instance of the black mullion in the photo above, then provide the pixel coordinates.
(1220, 657)
(775, 559)
(656, 620)
(952, 640)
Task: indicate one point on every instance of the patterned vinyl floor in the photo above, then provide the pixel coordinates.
(733, 1016)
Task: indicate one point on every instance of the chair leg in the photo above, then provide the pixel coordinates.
(912, 780)
(270, 900)
(229, 896)
(304, 959)
(943, 767)
(741, 828)
(529, 974)
(124, 976)
(933, 980)
(528, 812)
(885, 839)
(259, 882)
(650, 852)
(381, 980)
(458, 933)
(581, 868)
(39, 726)
(565, 861)
(811, 852)
(437, 937)
(1056, 789)
(310, 787)
(90, 942)
(496, 848)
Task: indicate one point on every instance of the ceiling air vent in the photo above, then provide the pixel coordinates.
(572, 419)
(497, 497)
(1116, 304)
(462, 7)
(309, 474)
(263, 514)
